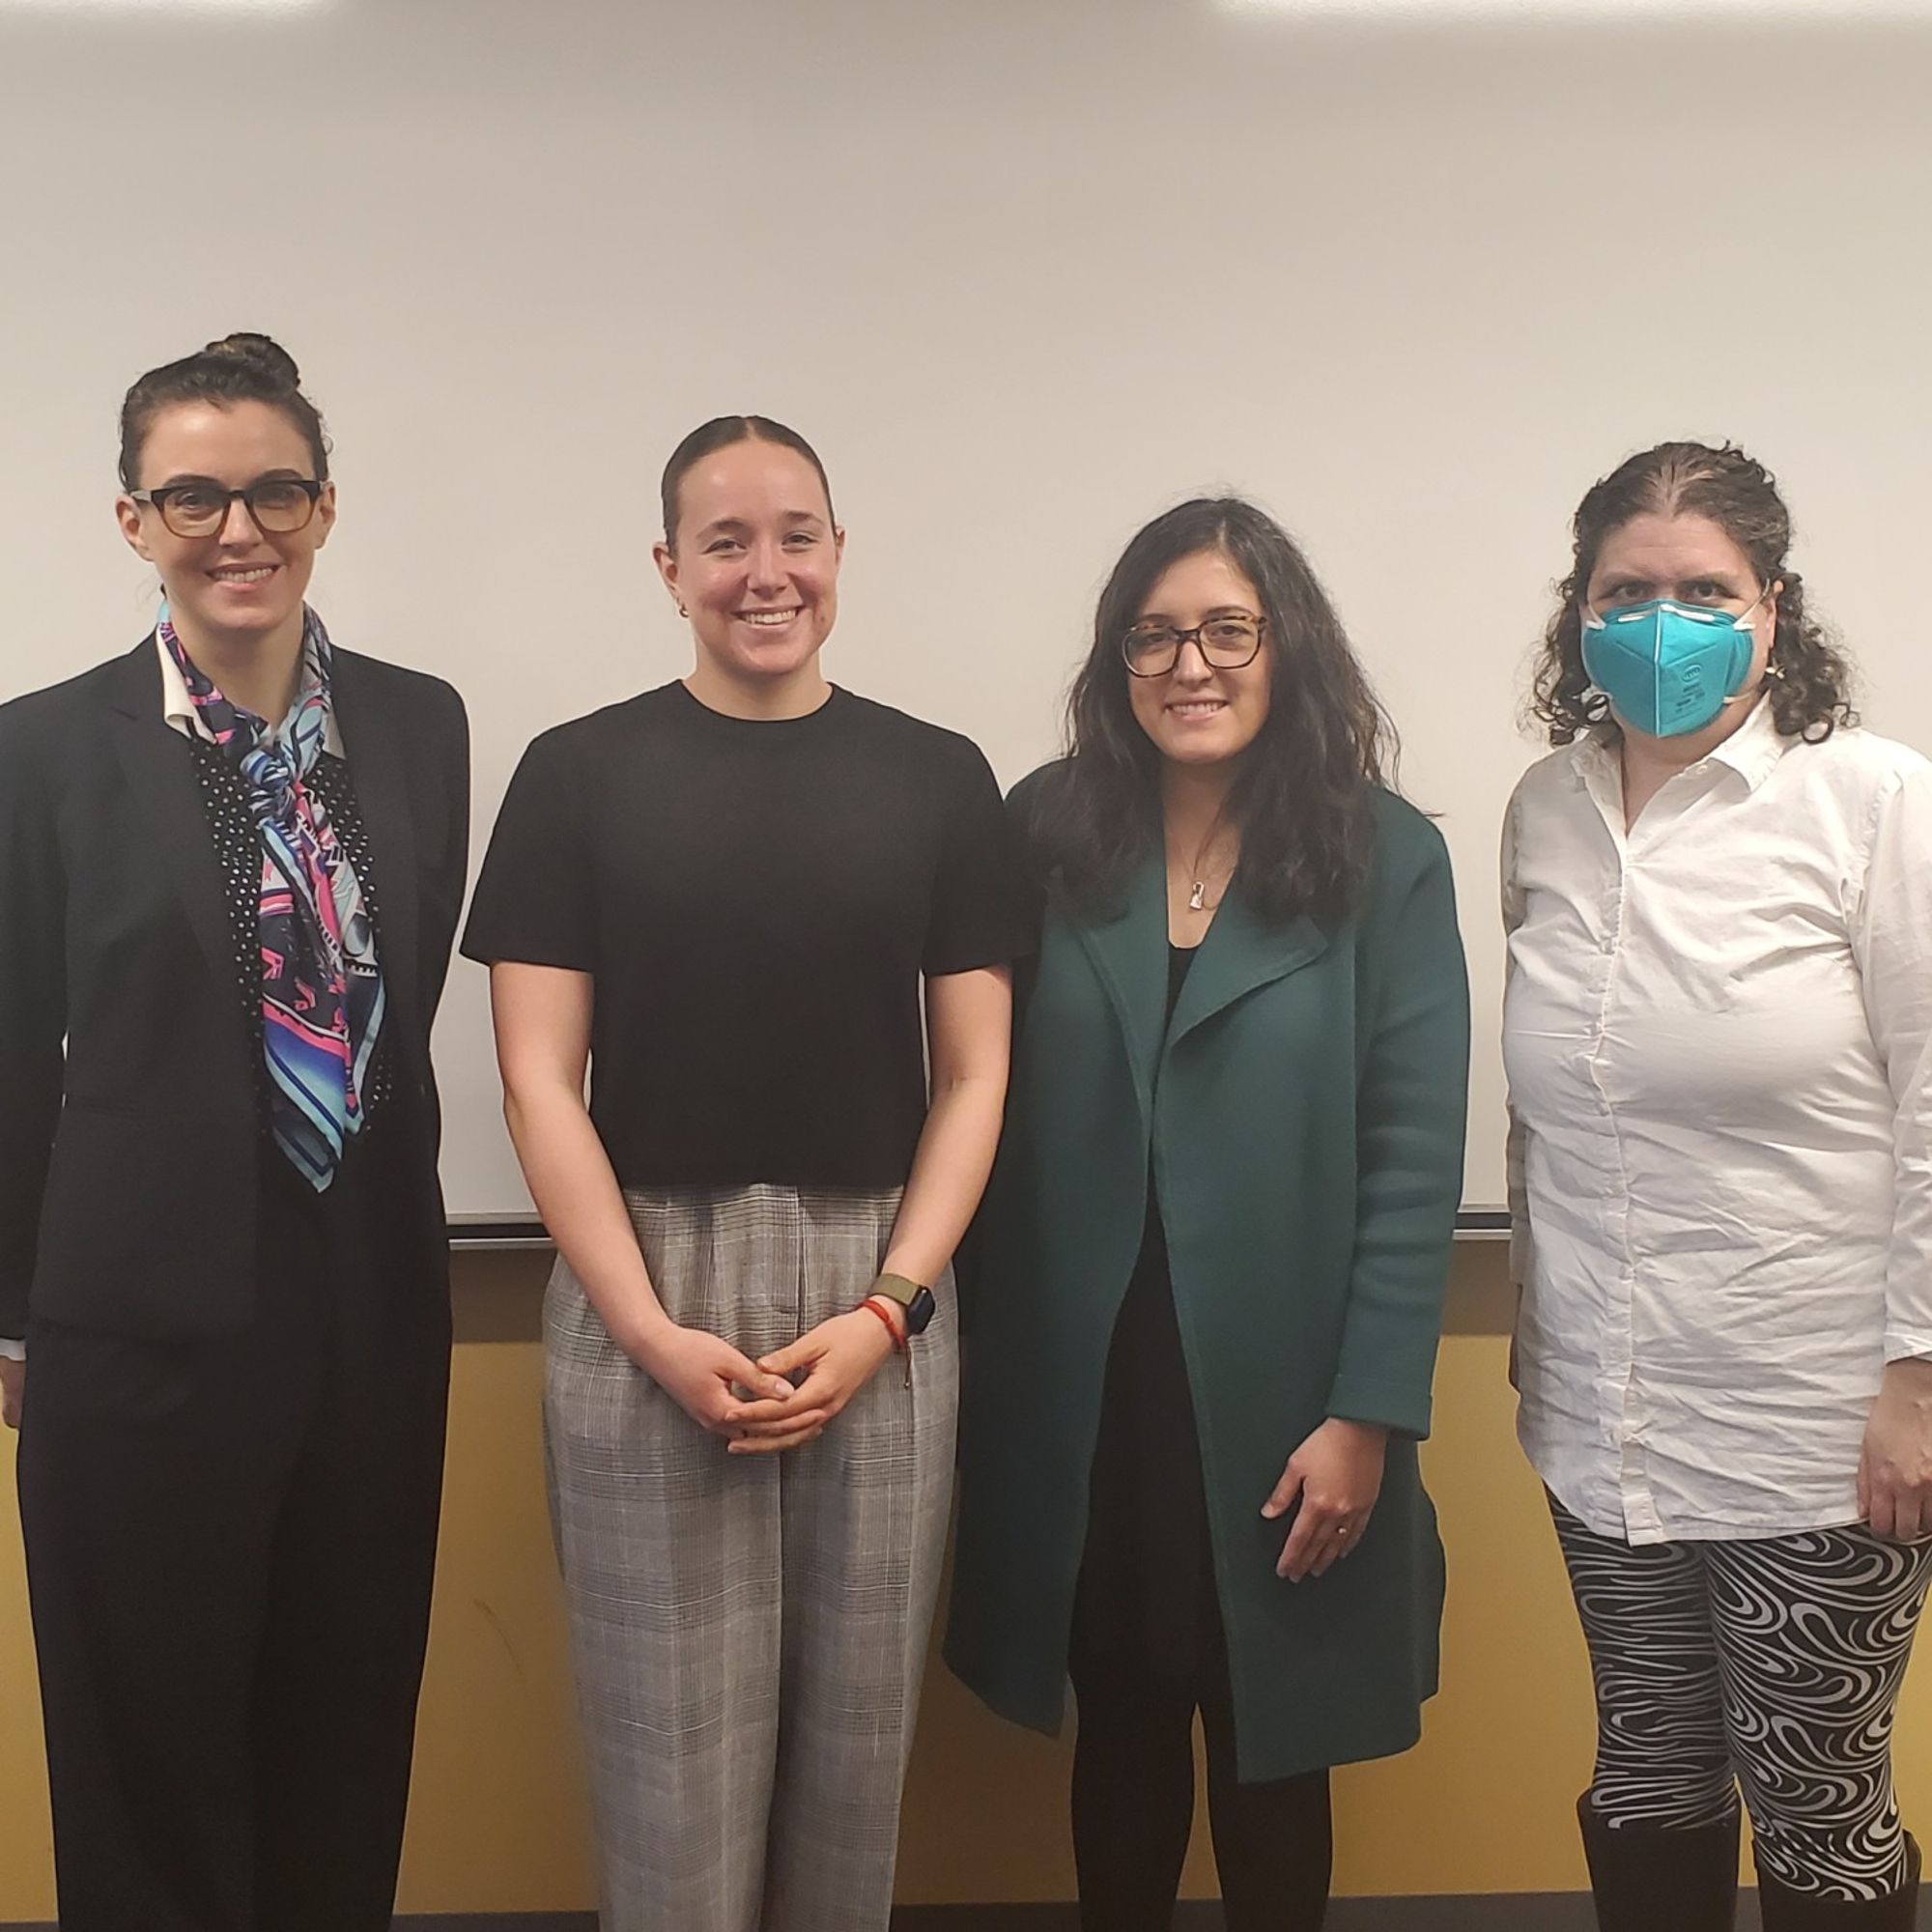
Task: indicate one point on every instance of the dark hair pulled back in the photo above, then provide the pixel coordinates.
(240, 368)
(1810, 677)
(721, 432)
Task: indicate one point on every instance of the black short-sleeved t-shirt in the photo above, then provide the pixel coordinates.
(756, 901)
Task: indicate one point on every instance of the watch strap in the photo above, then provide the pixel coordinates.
(898, 1288)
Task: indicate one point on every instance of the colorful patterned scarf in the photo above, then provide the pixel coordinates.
(321, 989)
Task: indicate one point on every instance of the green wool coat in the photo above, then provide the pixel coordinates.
(1302, 1119)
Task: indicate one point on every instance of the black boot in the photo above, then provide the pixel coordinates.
(1788, 1911)
(1658, 1878)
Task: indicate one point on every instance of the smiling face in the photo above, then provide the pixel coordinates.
(1195, 714)
(755, 560)
(237, 583)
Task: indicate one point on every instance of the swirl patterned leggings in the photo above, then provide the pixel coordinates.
(1770, 1665)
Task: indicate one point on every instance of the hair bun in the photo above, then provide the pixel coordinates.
(260, 351)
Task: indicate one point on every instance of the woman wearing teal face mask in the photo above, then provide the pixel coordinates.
(1718, 1037)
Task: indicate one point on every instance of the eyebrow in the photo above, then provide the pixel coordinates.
(182, 478)
(1207, 617)
(723, 524)
(1630, 574)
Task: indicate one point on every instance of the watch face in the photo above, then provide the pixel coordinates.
(919, 1311)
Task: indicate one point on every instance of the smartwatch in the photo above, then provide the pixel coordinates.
(915, 1302)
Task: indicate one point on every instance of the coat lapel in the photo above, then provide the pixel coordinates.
(372, 741)
(160, 769)
(1128, 954)
(1242, 951)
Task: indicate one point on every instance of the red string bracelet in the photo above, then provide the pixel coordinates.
(871, 1306)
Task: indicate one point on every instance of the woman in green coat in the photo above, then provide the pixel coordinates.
(1211, 1261)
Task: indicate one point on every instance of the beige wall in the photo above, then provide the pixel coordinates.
(1027, 271)
(499, 1819)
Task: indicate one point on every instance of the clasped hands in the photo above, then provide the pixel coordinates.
(756, 1406)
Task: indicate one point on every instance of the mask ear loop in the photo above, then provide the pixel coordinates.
(1771, 669)
(1593, 698)
(1771, 666)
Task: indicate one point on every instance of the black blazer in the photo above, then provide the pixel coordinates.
(130, 1153)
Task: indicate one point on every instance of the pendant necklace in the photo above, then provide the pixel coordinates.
(1197, 893)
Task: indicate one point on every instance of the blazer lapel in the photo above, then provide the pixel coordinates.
(378, 761)
(1128, 954)
(1241, 952)
(168, 810)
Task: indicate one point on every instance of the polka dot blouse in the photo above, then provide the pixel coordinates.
(224, 796)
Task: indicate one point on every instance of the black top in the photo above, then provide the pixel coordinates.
(756, 901)
(1179, 959)
(231, 820)
(1146, 1599)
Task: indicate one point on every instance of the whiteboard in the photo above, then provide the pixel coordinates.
(1027, 271)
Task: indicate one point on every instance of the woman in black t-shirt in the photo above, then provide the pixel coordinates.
(725, 896)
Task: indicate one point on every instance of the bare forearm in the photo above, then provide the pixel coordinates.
(577, 1193)
(948, 1175)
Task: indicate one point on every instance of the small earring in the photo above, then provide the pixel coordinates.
(682, 612)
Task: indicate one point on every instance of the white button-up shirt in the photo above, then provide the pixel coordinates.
(1718, 1032)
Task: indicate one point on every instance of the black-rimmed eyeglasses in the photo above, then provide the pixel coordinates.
(280, 505)
(1225, 644)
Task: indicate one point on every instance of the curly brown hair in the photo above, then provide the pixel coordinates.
(1810, 677)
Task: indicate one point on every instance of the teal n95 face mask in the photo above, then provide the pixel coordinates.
(1667, 668)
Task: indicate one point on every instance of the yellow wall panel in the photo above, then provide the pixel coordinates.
(497, 1819)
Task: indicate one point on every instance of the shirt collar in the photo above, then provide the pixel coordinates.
(1752, 750)
(179, 712)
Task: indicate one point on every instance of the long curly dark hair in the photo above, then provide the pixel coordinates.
(1811, 679)
(1301, 798)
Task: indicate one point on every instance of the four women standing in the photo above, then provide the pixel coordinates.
(774, 924)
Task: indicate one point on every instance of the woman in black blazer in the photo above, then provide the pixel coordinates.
(223, 1270)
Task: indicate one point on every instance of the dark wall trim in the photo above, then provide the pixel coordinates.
(496, 1231)
(527, 1230)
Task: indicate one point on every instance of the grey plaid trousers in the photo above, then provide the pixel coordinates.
(747, 1633)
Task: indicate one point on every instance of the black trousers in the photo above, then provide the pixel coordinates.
(1148, 1650)
(1133, 1803)
(230, 1546)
